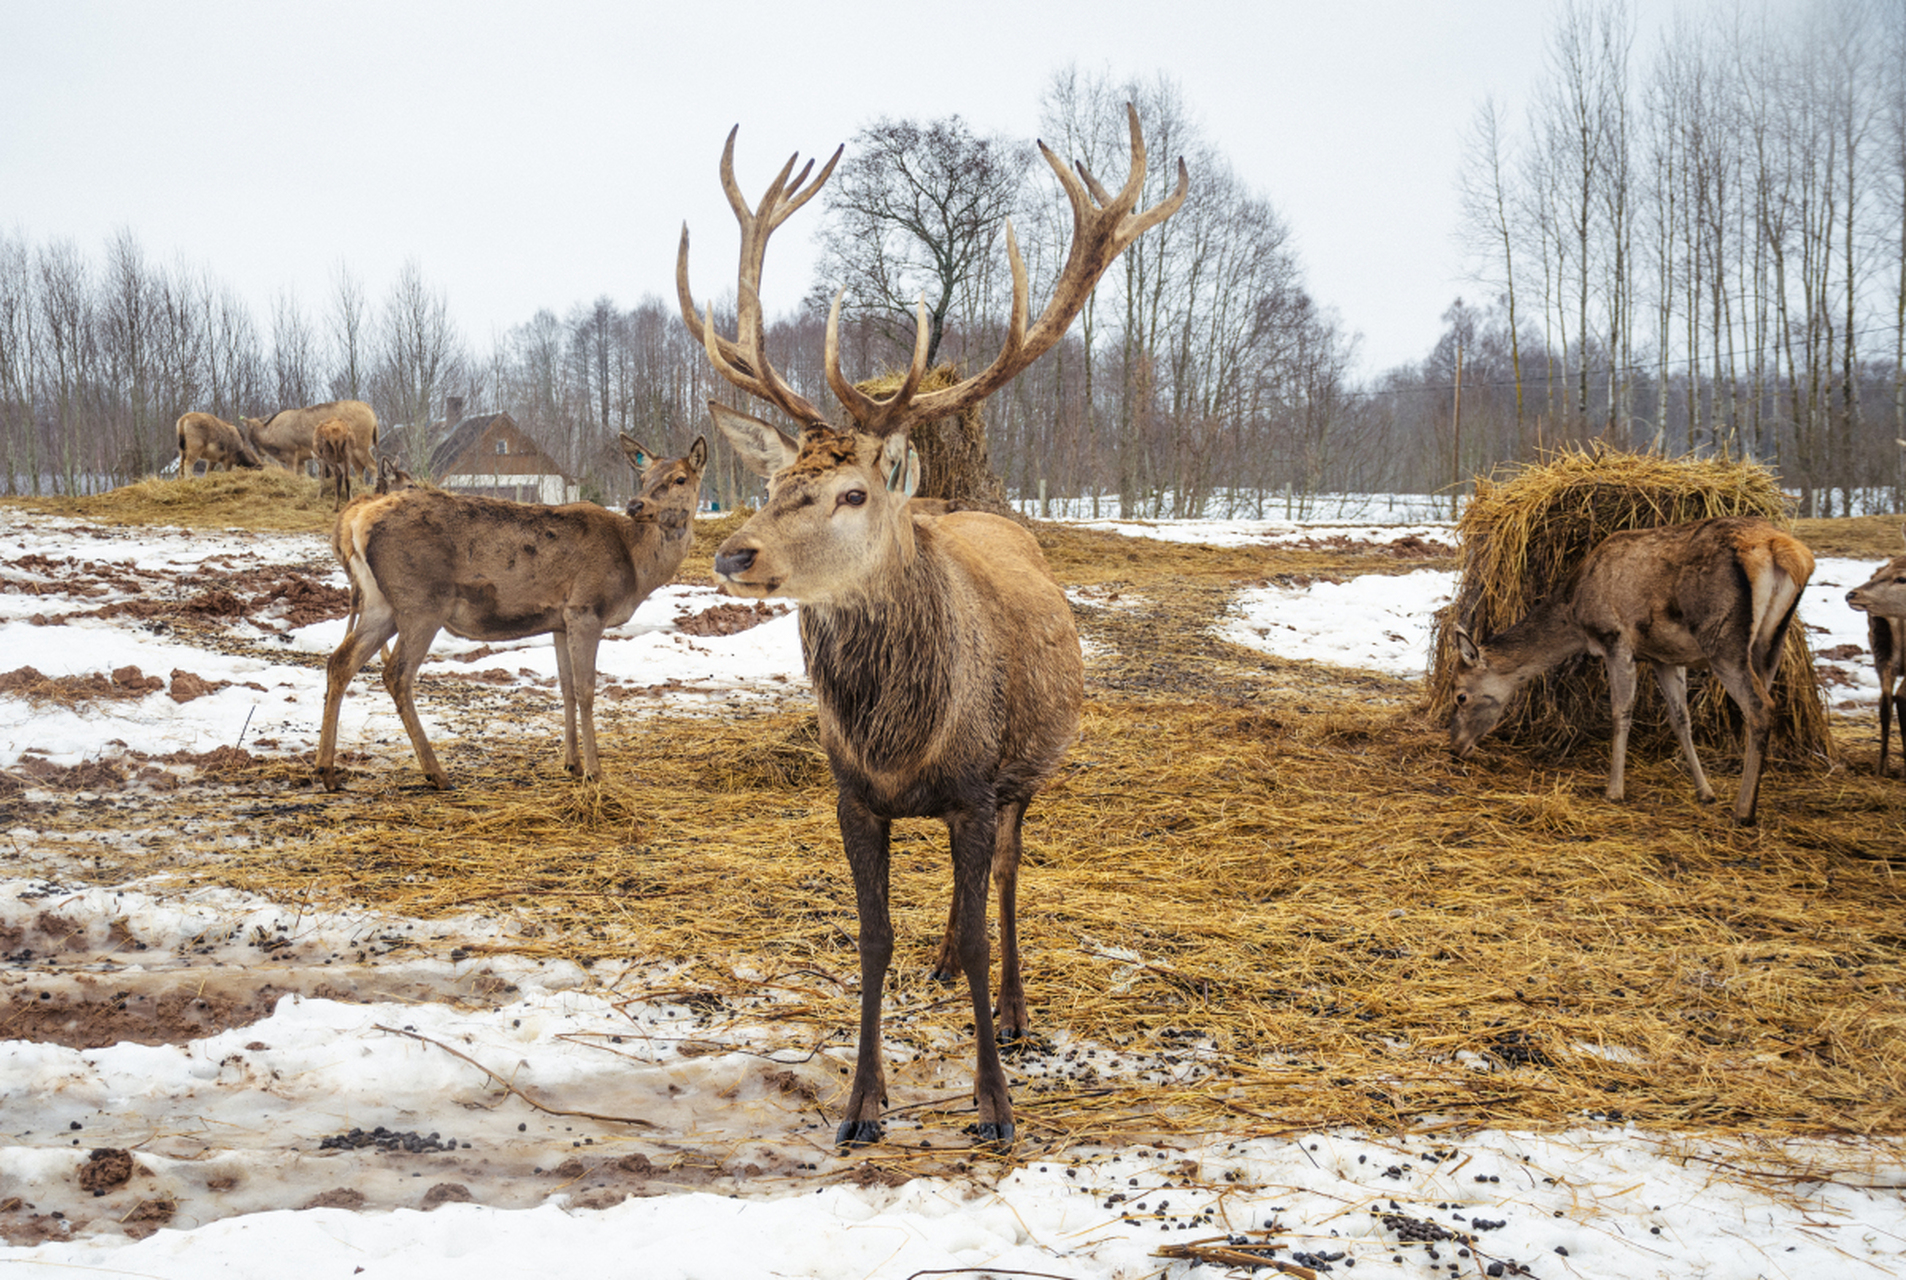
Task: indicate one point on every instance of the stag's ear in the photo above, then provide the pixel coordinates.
(1466, 649)
(698, 454)
(764, 448)
(638, 454)
(901, 465)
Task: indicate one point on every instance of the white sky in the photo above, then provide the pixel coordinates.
(539, 156)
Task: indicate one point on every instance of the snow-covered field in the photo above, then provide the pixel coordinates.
(672, 1138)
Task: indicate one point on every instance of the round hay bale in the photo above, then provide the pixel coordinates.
(954, 462)
(1522, 536)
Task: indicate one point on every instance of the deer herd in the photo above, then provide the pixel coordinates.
(946, 667)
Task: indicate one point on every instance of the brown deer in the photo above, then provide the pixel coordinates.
(332, 441)
(943, 655)
(288, 437)
(218, 442)
(347, 532)
(1714, 593)
(421, 560)
(1883, 600)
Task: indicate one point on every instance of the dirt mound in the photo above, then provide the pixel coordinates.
(727, 619)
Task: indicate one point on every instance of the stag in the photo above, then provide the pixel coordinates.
(943, 655)
(1715, 593)
(1883, 600)
(218, 442)
(421, 560)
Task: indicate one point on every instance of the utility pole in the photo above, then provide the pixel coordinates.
(1456, 440)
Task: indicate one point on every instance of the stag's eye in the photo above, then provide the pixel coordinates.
(854, 497)
(1462, 699)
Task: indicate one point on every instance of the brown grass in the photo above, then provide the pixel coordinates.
(1310, 905)
(1267, 874)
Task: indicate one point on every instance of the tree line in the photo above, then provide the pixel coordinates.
(1698, 247)
(1695, 247)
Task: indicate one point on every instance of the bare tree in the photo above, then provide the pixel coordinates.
(419, 359)
(347, 320)
(916, 209)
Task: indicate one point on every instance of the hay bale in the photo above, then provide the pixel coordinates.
(954, 462)
(1522, 537)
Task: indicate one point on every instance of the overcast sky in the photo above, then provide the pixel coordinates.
(542, 155)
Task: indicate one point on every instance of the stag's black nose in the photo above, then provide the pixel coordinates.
(729, 563)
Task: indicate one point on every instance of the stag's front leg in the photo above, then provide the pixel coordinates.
(1621, 698)
(1015, 1023)
(1673, 682)
(973, 853)
(865, 837)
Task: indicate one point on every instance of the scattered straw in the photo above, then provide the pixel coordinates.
(1300, 917)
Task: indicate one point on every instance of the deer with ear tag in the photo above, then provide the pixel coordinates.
(944, 658)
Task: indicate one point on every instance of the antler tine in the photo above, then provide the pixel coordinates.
(744, 362)
(878, 417)
(860, 406)
(1102, 228)
(691, 314)
(768, 384)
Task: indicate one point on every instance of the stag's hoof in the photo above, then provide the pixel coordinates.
(993, 1135)
(857, 1133)
(333, 779)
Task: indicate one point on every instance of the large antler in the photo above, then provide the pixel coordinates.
(744, 362)
(1103, 227)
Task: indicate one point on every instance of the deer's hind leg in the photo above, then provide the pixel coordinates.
(400, 678)
(1744, 685)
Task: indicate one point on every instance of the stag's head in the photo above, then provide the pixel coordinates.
(667, 489)
(836, 519)
(1482, 695)
(1884, 595)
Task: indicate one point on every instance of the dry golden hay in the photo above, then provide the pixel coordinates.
(1521, 538)
(268, 498)
(1310, 919)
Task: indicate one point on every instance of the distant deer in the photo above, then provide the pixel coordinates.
(1715, 593)
(1883, 600)
(332, 441)
(421, 560)
(216, 441)
(287, 437)
(943, 655)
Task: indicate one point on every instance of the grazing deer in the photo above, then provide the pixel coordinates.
(944, 658)
(218, 442)
(288, 437)
(332, 440)
(1883, 600)
(1714, 593)
(421, 560)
